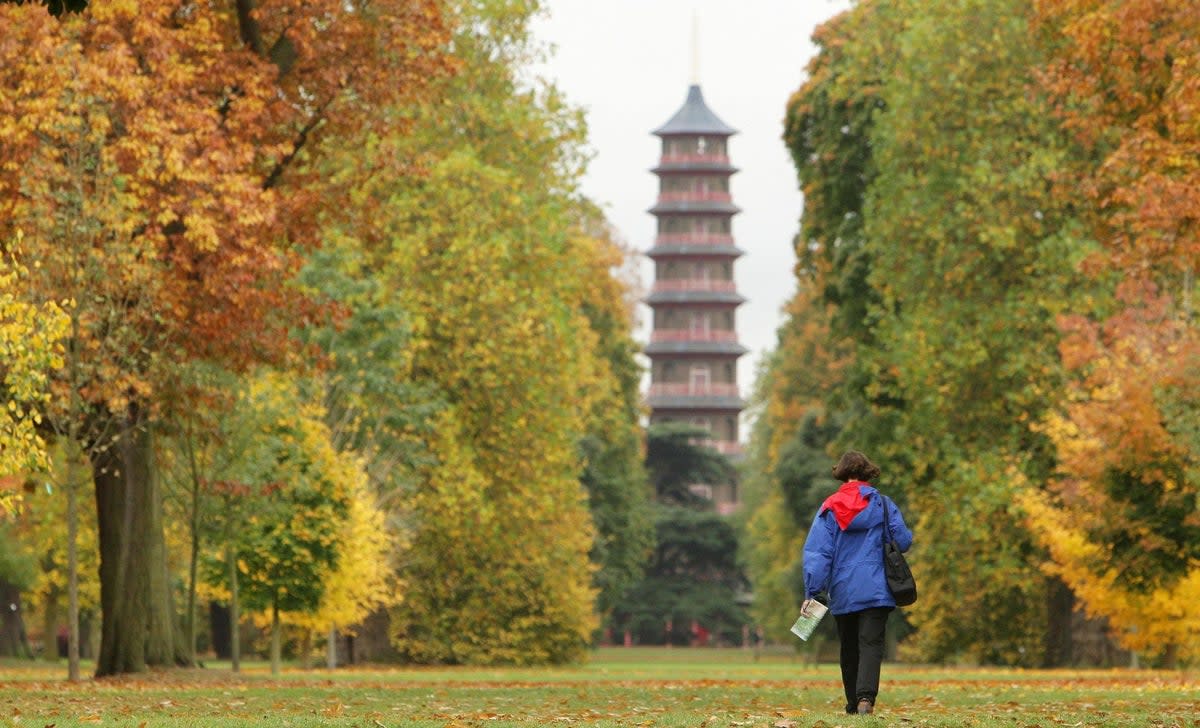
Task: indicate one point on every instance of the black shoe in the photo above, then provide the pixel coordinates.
(865, 707)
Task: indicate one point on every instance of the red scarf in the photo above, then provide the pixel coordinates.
(846, 503)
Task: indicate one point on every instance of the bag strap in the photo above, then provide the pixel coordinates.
(887, 521)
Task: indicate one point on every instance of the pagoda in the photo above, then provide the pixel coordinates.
(694, 347)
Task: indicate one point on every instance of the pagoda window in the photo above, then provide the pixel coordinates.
(729, 376)
(699, 379)
(700, 323)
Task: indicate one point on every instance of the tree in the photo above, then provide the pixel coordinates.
(289, 496)
(484, 254)
(694, 573)
(1120, 518)
(693, 576)
(210, 120)
(619, 497)
(676, 458)
(66, 560)
(364, 577)
(501, 527)
(1120, 79)
(947, 263)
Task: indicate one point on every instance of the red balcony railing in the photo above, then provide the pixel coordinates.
(695, 284)
(694, 196)
(724, 335)
(712, 389)
(694, 238)
(695, 159)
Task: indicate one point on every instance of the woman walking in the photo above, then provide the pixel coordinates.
(843, 556)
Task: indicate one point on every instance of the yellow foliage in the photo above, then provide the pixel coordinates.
(363, 579)
(29, 349)
(1139, 621)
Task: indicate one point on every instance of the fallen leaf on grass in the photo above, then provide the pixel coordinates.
(333, 711)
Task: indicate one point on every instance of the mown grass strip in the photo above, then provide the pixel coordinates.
(707, 688)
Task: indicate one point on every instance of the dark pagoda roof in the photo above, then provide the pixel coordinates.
(694, 117)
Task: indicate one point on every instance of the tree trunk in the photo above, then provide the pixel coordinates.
(50, 624)
(1059, 639)
(235, 631)
(331, 648)
(194, 558)
(1171, 657)
(162, 647)
(136, 616)
(276, 639)
(72, 574)
(13, 640)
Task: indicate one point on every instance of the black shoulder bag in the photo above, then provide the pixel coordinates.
(895, 568)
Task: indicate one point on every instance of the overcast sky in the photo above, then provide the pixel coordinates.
(628, 63)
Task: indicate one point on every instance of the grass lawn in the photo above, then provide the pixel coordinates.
(617, 687)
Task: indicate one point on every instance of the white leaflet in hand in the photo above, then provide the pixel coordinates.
(809, 618)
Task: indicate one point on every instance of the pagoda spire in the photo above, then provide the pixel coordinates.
(695, 81)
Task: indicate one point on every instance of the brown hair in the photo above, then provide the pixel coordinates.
(855, 466)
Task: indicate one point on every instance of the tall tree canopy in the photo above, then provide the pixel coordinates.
(199, 127)
(923, 150)
(1120, 518)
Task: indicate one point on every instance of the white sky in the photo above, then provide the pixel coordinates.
(628, 63)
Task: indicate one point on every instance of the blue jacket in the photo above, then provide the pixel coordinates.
(848, 563)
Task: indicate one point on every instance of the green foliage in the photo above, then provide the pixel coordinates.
(924, 158)
(803, 472)
(485, 256)
(619, 502)
(285, 493)
(693, 575)
(18, 565)
(372, 408)
(977, 267)
(614, 474)
(676, 458)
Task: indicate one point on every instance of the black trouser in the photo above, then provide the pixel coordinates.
(861, 635)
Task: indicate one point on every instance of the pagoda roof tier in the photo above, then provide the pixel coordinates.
(702, 297)
(699, 250)
(659, 402)
(699, 348)
(692, 163)
(684, 207)
(694, 117)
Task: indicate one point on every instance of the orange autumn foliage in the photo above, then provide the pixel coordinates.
(1126, 78)
(202, 130)
(1120, 522)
